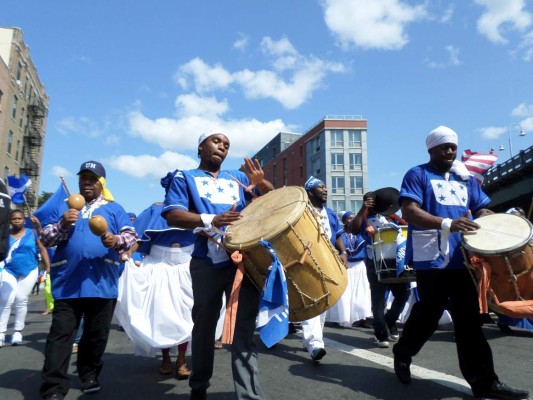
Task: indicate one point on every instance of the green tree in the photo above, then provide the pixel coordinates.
(43, 197)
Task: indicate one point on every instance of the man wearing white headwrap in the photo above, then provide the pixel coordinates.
(438, 203)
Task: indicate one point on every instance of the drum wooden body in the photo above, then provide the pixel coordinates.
(316, 277)
(384, 252)
(503, 242)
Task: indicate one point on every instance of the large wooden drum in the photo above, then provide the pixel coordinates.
(316, 277)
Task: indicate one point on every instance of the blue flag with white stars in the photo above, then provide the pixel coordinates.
(273, 317)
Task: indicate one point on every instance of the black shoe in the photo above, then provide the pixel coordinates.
(198, 394)
(505, 329)
(292, 328)
(55, 396)
(90, 386)
(318, 353)
(501, 391)
(402, 370)
(394, 335)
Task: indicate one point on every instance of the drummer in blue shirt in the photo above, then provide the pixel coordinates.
(206, 200)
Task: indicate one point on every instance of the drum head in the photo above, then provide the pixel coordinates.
(267, 217)
(499, 233)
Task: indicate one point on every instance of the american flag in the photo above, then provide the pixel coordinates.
(477, 164)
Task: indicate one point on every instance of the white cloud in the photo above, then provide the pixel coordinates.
(181, 133)
(60, 171)
(499, 16)
(79, 126)
(292, 81)
(527, 124)
(492, 132)
(205, 77)
(242, 42)
(112, 139)
(143, 166)
(371, 24)
(527, 46)
(453, 58)
(523, 110)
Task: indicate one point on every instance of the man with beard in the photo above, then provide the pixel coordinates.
(206, 200)
(84, 271)
(438, 200)
(318, 196)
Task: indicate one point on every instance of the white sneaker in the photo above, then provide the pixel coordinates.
(2, 339)
(382, 344)
(16, 338)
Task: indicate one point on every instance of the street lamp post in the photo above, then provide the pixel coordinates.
(522, 133)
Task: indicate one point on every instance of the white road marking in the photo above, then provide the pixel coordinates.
(441, 378)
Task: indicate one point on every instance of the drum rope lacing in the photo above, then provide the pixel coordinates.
(323, 275)
(513, 278)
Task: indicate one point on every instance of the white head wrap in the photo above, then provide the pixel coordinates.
(212, 132)
(441, 135)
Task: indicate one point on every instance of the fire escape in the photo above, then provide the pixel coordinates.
(33, 141)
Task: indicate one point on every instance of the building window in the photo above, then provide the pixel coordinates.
(17, 150)
(301, 150)
(337, 161)
(354, 138)
(19, 71)
(315, 144)
(338, 205)
(337, 139)
(14, 111)
(301, 171)
(274, 176)
(6, 174)
(355, 205)
(356, 184)
(315, 166)
(1, 95)
(21, 117)
(9, 142)
(337, 184)
(284, 171)
(356, 161)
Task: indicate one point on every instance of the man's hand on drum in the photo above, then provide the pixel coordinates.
(344, 259)
(226, 218)
(463, 225)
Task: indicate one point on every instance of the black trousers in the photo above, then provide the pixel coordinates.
(209, 285)
(378, 289)
(98, 314)
(440, 289)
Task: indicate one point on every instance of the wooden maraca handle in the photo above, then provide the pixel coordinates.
(98, 225)
(76, 201)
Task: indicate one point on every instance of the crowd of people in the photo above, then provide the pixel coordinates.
(167, 276)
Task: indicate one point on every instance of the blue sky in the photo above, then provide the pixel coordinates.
(133, 83)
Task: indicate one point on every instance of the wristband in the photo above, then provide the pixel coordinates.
(207, 220)
(446, 224)
(342, 252)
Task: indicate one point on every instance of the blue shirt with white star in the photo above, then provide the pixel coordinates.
(446, 198)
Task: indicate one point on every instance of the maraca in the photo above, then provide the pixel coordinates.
(76, 201)
(98, 225)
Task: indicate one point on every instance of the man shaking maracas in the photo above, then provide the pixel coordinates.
(84, 272)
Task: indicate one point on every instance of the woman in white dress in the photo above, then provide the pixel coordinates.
(155, 296)
(355, 304)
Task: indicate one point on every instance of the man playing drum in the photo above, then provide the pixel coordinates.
(367, 220)
(210, 199)
(437, 200)
(318, 196)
